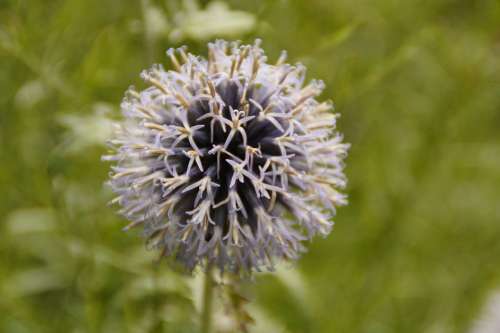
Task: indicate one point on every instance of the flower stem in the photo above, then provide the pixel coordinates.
(206, 310)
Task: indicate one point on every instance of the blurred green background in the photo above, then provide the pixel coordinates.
(418, 87)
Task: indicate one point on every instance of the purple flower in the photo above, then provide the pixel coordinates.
(228, 160)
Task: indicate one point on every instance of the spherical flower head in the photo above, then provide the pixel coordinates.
(228, 161)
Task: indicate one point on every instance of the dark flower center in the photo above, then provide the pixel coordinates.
(253, 141)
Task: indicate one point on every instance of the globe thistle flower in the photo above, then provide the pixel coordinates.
(228, 161)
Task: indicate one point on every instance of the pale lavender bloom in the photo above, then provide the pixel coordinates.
(228, 160)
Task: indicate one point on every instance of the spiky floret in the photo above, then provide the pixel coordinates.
(228, 160)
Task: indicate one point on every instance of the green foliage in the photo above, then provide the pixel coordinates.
(418, 87)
